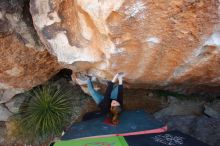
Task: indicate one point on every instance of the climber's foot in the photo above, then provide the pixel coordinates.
(82, 79)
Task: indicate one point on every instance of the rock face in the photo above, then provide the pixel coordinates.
(203, 128)
(171, 44)
(5, 114)
(177, 107)
(14, 104)
(213, 109)
(24, 62)
(2, 133)
(196, 118)
(23, 67)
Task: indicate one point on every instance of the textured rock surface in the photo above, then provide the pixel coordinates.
(14, 104)
(15, 18)
(213, 109)
(5, 114)
(24, 62)
(178, 107)
(191, 118)
(2, 133)
(202, 128)
(23, 67)
(158, 44)
(7, 94)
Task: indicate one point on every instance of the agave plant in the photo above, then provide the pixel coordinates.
(47, 111)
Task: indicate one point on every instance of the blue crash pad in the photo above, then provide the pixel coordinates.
(130, 121)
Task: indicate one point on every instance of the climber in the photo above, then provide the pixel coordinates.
(112, 101)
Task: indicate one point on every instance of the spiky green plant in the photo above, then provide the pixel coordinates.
(46, 112)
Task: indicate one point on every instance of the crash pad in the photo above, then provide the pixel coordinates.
(104, 141)
(131, 123)
(172, 138)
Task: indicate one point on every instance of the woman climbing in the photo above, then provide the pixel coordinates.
(112, 101)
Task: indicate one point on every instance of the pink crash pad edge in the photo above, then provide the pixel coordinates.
(158, 130)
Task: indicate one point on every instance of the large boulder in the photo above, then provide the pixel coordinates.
(171, 45)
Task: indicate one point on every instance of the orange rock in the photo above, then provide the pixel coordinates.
(23, 67)
(158, 44)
